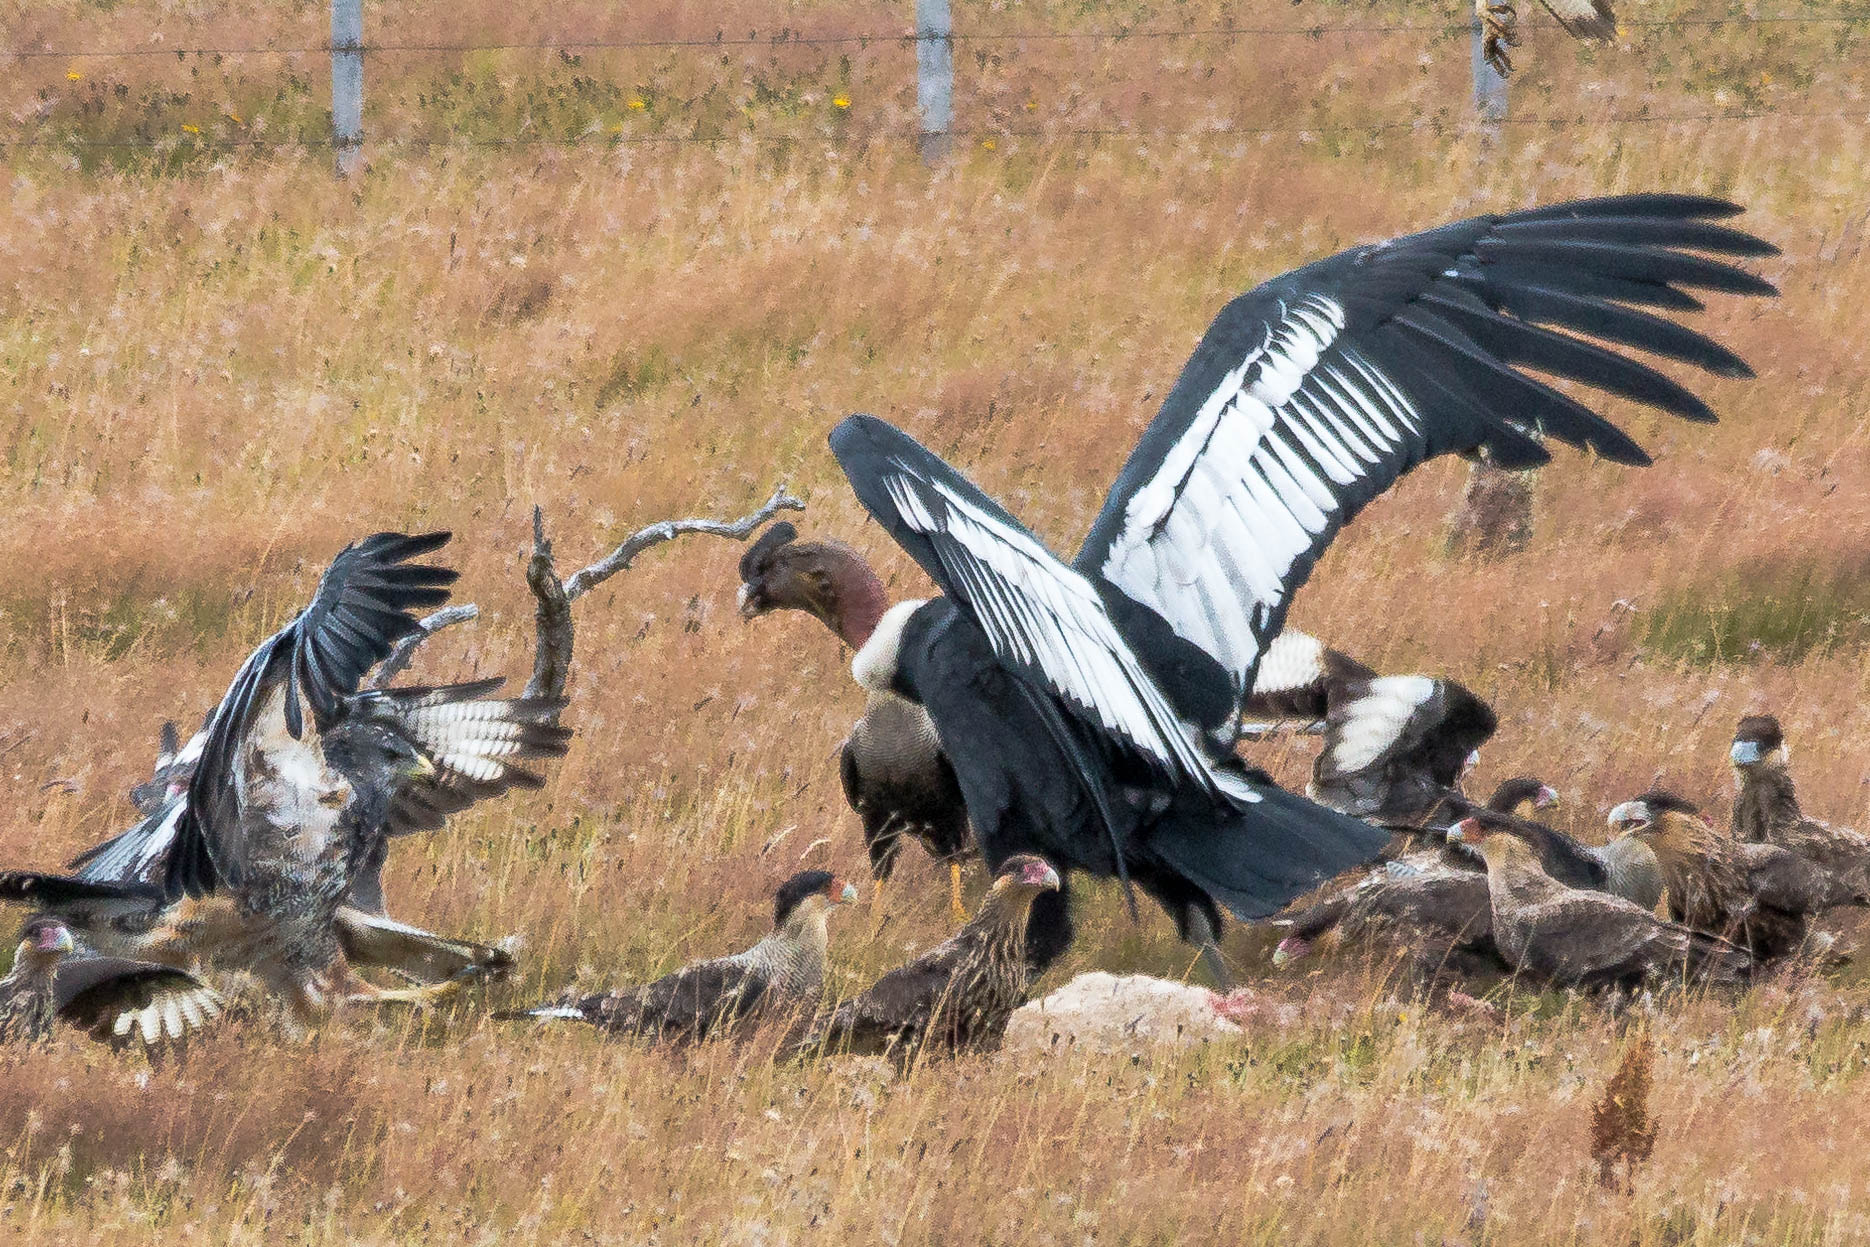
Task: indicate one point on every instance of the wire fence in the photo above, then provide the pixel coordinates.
(933, 29)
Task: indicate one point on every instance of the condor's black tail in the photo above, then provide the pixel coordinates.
(1255, 861)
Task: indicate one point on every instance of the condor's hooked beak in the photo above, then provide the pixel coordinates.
(1746, 752)
(1630, 816)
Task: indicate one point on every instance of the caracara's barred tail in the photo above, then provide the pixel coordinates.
(124, 1002)
(544, 1013)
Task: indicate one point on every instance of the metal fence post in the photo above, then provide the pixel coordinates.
(935, 77)
(1489, 86)
(347, 83)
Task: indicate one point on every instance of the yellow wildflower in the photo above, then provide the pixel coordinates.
(72, 75)
(638, 104)
(840, 101)
(188, 129)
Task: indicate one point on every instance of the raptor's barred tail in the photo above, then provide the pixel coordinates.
(1255, 861)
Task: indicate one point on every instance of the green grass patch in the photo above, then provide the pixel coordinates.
(1787, 609)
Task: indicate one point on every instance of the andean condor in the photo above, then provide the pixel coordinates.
(783, 973)
(1766, 804)
(1574, 937)
(1086, 708)
(1760, 896)
(115, 1001)
(957, 996)
(891, 764)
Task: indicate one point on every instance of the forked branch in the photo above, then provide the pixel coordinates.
(552, 613)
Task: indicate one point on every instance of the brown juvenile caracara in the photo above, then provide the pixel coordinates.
(958, 995)
(110, 999)
(1435, 905)
(1766, 804)
(1758, 895)
(785, 972)
(1577, 938)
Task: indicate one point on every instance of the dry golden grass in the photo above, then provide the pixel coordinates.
(217, 366)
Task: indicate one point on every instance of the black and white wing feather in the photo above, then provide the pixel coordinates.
(1046, 623)
(363, 606)
(1312, 394)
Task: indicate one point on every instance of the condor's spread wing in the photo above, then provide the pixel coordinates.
(1048, 625)
(361, 609)
(1312, 394)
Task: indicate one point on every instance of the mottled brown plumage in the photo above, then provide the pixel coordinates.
(1429, 910)
(1760, 896)
(1766, 805)
(1572, 937)
(958, 995)
(115, 1001)
(783, 973)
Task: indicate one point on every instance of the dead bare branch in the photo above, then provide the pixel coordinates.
(643, 539)
(398, 660)
(552, 615)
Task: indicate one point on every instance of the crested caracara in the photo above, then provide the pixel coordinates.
(1760, 896)
(265, 856)
(1087, 708)
(1434, 907)
(115, 1001)
(783, 973)
(1766, 804)
(1573, 937)
(958, 995)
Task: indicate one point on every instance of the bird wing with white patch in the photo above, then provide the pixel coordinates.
(1046, 623)
(1373, 724)
(1315, 392)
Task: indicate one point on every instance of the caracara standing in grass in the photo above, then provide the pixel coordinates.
(1434, 907)
(1594, 20)
(1766, 804)
(112, 1000)
(1572, 937)
(958, 995)
(1761, 896)
(782, 974)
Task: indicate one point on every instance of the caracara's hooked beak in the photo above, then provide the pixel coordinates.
(1290, 949)
(1039, 875)
(55, 939)
(1548, 798)
(1631, 816)
(1462, 831)
(1746, 752)
(844, 895)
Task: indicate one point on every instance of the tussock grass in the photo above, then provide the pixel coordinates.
(216, 367)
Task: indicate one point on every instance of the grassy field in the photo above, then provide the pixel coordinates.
(218, 364)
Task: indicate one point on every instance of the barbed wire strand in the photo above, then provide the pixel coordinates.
(981, 134)
(784, 39)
